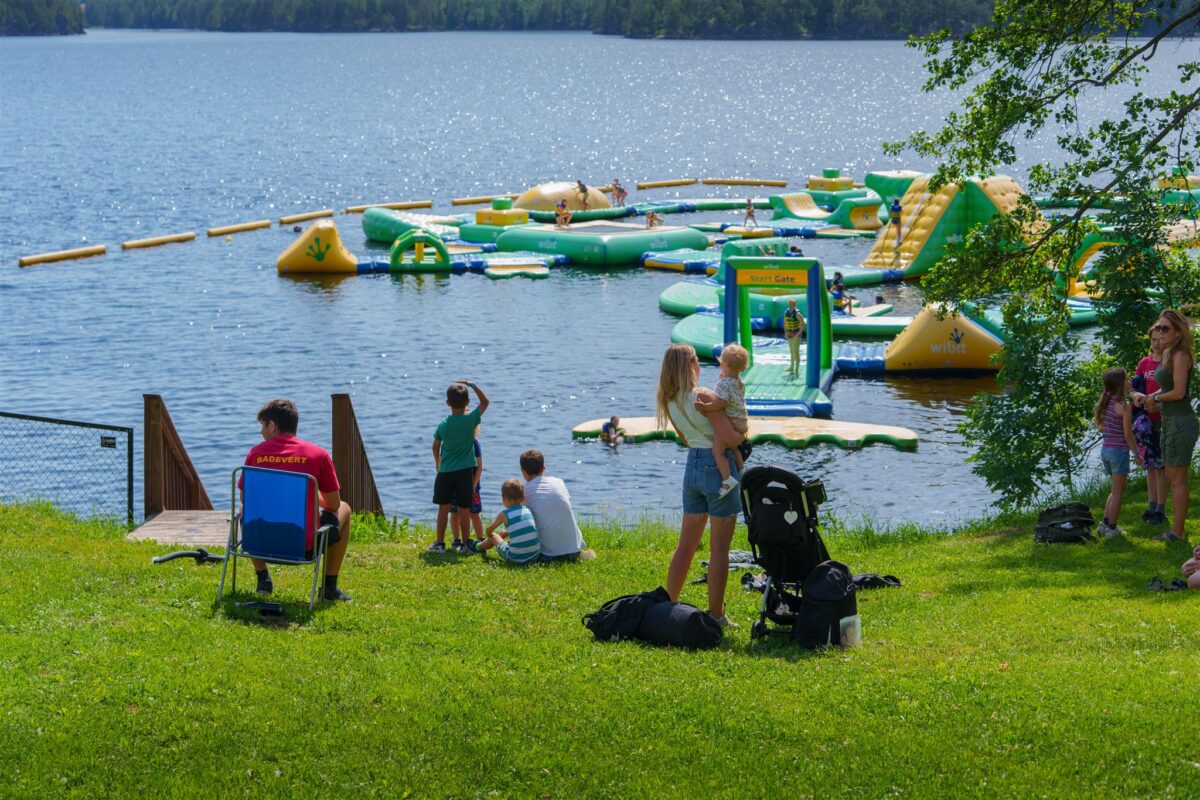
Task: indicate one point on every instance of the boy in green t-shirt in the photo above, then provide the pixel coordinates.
(454, 457)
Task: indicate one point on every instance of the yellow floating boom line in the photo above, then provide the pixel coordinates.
(399, 206)
(238, 228)
(743, 182)
(63, 255)
(288, 220)
(663, 184)
(481, 199)
(155, 241)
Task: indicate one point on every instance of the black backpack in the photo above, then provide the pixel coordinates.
(621, 617)
(1064, 523)
(829, 596)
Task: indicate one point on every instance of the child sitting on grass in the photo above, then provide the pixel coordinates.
(523, 545)
(454, 458)
(729, 396)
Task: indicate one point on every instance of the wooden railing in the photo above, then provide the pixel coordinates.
(350, 460)
(171, 482)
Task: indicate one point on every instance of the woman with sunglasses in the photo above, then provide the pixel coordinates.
(703, 502)
(1179, 424)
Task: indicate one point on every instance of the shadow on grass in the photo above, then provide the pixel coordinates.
(243, 607)
(1123, 563)
(448, 558)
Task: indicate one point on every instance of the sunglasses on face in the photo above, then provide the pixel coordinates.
(1162, 328)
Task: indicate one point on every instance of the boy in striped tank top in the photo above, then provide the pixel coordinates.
(1114, 418)
(522, 546)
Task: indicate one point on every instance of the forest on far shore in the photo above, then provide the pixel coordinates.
(676, 19)
(642, 19)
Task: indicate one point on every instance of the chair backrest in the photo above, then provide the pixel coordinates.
(276, 512)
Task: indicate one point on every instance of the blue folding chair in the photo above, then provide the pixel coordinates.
(272, 527)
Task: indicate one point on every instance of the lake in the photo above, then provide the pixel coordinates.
(119, 135)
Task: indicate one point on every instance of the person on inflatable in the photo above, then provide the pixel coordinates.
(895, 213)
(582, 188)
(750, 221)
(562, 214)
(653, 220)
(841, 298)
(618, 192)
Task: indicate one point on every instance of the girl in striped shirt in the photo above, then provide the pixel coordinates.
(1114, 418)
(522, 545)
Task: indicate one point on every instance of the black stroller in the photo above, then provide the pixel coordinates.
(781, 514)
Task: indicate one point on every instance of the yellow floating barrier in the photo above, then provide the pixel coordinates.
(155, 241)
(663, 184)
(742, 182)
(288, 220)
(480, 200)
(403, 205)
(241, 226)
(63, 255)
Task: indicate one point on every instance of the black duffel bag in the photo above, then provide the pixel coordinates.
(679, 625)
(621, 617)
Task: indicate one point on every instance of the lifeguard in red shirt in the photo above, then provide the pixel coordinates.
(281, 449)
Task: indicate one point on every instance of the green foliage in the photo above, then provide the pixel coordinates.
(1031, 69)
(40, 17)
(456, 676)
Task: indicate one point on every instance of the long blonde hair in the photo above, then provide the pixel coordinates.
(1185, 345)
(675, 380)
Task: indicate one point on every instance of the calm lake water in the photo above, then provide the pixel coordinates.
(118, 135)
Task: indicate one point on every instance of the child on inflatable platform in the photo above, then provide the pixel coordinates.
(522, 545)
(750, 221)
(562, 214)
(653, 220)
(793, 331)
(612, 432)
(618, 192)
(462, 537)
(582, 188)
(454, 458)
(842, 300)
(729, 397)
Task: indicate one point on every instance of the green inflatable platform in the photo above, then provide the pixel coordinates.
(600, 244)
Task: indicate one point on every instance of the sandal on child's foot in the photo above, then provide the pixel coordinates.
(1169, 536)
(727, 486)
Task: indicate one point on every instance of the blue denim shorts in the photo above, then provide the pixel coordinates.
(702, 485)
(1116, 462)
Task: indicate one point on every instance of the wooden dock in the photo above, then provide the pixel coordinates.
(190, 528)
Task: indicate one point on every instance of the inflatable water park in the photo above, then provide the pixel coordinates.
(746, 272)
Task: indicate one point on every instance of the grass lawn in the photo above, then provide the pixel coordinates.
(1001, 668)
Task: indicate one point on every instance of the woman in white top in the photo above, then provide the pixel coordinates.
(702, 501)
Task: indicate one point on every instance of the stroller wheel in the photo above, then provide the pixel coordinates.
(758, 630)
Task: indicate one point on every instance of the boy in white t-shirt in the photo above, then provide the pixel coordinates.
(548, 499)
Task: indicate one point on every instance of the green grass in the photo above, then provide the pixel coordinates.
(1001, 668)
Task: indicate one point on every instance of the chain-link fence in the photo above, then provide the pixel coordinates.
(78, 466)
